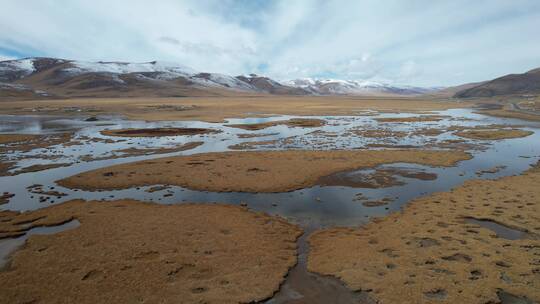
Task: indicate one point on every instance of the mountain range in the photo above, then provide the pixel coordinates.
(58, 78)
(354, 87)
(39, 77)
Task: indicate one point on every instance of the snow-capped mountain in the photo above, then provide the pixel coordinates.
(155, 70)
(354, 87)
(71, 78)
(270, 85)
(54, 78)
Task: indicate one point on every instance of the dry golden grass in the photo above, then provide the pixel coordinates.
(411, 119)
(511, 114)
(430, 254)
(493, 134)
(295, 122)
(24, 142)
(15, 138)
(129, 252)
(219, 108)
(268, 171)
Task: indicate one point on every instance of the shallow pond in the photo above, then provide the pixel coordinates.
(318, 205)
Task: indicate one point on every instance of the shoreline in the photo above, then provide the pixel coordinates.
(189, 252)
(429, 248)
(242, 171)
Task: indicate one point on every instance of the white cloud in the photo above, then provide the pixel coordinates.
(415, 42)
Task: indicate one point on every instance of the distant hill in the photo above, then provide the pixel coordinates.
(451, 91)
(513, 84)
(354, 87)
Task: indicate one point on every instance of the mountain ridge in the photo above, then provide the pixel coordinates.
(511, 84)
(355, 87)
(43, 77)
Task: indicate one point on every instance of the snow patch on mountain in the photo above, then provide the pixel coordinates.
(352, 87)
(158, 70)
(26, 65)
(220, 80)
(15, 69)
(170, 70)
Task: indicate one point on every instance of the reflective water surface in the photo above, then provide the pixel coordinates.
(318, 205)
(352, 201)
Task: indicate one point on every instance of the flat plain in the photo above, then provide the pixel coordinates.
(265, 198)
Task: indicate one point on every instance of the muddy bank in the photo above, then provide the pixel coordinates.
(295, 122)
(25, 143)
(303, 287)
(129, 251)
(377, 203)
(130, 152)
(5, 167)
(4, 198)
(153, 151)
(14, 138)
(411, 119)
(251, 145)
(493, 134)
(39, 167)
(428, 132)
(432, 252)
(243, 171)
(252, 135)
(392, 146)
(157, 132)
(379, 133)
(372, 179)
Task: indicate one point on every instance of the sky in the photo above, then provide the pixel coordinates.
(413, 42)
